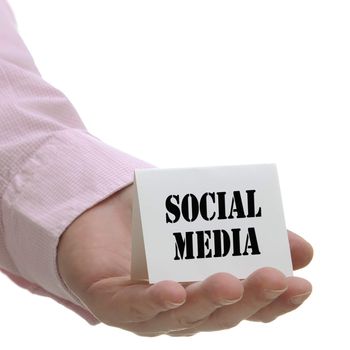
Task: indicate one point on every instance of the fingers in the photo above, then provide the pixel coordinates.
(203, 298)
(301, 251)
(260, 289)
(116, 300)
(168, 307)
(213, 304)
(298, 291)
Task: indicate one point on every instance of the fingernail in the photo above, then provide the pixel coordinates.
(229, 301)
(299, 299)
(271, 294)
(175, 305)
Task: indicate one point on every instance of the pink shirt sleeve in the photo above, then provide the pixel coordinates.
(51, 170)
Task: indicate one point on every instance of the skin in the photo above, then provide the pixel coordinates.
(94, 255)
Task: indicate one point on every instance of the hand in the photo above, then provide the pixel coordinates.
(94, 260)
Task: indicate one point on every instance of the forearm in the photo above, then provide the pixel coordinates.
(51, 168)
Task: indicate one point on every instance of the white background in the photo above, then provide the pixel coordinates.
(197, 83)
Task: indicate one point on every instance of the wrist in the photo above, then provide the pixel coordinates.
(84, 233)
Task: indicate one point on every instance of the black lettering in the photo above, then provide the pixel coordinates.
(221, 243)
(185, 207)
(182, 245)
(221, 205)
(251, 242)
(204, 205)
(203, 244)
(236, 242)
(251, 205)
(237, 206)
(172, 209)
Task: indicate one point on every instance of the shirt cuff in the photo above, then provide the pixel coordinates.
(67, 175)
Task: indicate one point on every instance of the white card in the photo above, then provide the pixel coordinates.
(189, 223)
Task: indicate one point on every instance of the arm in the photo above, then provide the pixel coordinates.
(65, 198)
(51, 169)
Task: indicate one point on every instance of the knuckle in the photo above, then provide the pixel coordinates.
(186, 322)
(105, 319)
(267, 319)
(226, 323)
(110, 321)
(136, 314)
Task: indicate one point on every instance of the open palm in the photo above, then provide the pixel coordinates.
(94, 260)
